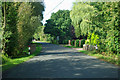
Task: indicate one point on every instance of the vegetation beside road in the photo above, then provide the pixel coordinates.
(94, 23)
(97, 24)
(16, 33)
(111, 58)
(15, 61)
(70, 46)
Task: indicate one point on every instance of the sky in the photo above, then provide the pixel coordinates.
(51, 4)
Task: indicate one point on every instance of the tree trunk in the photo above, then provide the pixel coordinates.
(4, 25)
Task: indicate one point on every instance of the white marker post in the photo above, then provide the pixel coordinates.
(29, 49)
(57, 39)
(96, 47)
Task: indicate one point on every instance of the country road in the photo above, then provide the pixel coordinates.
(59, 62)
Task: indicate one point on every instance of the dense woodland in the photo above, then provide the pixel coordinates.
(100, 22)
(96, 22)
(20, 20)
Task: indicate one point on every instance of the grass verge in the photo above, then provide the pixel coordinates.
(112, 58)
(41, 41)
(13, 62)
(71, 46)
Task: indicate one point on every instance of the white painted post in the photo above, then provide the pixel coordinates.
(84, 47)
(57, 39)
(96, 47)
(69, 42)
(29, 50)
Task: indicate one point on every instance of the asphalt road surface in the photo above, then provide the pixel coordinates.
(59, 62)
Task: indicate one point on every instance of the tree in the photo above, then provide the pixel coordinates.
(80, 15)
(21, 19)
(28, 21)
(10, 29)
(1, 30)
(106, 25)
(39, 34)
(59, 25)
(103, 23)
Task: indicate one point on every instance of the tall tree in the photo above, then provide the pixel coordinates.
(100, 19)
(39, 34)
(106, 25)
(10, 29)
(21, 21)
(1, 30)
(29, 19)
(59, 25)
(81, 18)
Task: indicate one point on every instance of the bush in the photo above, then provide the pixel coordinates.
(5, 58)
(82, 42)
(72, 42)
(54, 42)
(77, 43)
(87, 41)
(65, 42)
(93, 39)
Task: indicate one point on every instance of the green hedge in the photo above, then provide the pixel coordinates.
(82, 42)
(65, 42)
(72, 42)
(4, 58)
(77, 43)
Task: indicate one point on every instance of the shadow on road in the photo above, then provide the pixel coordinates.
(60, 62)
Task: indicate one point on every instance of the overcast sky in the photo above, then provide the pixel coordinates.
(51, 4)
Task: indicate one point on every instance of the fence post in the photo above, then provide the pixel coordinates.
(29, 49)
(69, 42)
(84, 47)
(79, 43)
